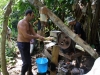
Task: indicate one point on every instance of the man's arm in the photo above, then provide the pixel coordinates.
(35, 34)
(78, 30)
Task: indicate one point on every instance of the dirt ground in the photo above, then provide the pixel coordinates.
(16, 69)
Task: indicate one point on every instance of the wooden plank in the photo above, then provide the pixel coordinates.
(47, 54)
(72, 35)
(64, 55)
(64, 28)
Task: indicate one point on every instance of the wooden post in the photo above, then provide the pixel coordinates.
(54, 58)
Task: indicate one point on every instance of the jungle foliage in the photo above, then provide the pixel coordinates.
(63, 9)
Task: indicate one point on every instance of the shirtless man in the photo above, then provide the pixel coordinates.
(25, 34)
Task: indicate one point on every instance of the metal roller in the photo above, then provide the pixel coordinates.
(65, 43)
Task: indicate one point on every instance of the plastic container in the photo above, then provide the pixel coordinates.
(42, 64)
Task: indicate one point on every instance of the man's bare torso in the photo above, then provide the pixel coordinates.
(21, 37)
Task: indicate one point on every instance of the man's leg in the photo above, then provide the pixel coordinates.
(30, 71)
(25, 55)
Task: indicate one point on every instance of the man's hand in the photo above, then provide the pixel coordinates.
(41, 38)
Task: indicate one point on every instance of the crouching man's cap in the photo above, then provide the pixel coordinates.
(70, 19)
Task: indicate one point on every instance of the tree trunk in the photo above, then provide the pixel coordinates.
(89, 22)
(3, 40)
(94, 26)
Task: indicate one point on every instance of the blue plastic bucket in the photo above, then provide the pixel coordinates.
(42, 64)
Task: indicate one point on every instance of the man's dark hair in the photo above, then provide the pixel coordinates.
(29, 11)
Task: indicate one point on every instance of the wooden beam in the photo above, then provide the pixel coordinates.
(72, 35)
(65, 29)
(70, 57)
